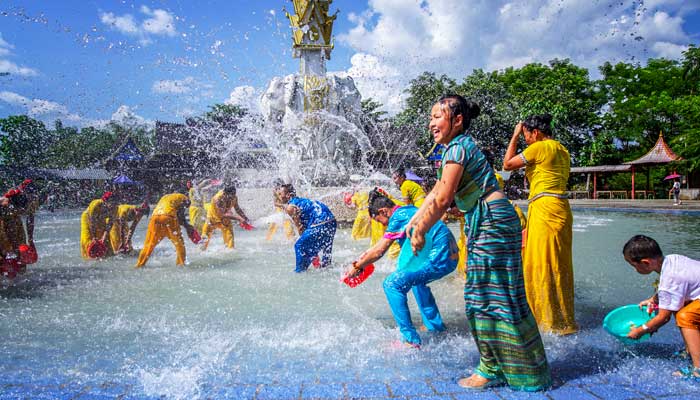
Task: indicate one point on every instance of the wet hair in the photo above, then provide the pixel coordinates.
(400, 171)
(230, 189)
(288, 187)
(458, 105)
(18, 200)
(277, 183)
(377, 201)
(640, 247)
(541, 122)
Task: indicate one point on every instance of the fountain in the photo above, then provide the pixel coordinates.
(311, 117)
(238, 324)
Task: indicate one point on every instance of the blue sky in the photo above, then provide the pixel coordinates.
(87, 62)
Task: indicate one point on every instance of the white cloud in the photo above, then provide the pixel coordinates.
(245, 96)
(8, 67)
(668, 50)
(49, 111)
(39, 108)
(395, 40)
(181, 86)
(158, 22)
(5, 47)
(126, 116)
(124, 24)
(14, 69)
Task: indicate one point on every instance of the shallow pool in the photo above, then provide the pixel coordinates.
(242, 316)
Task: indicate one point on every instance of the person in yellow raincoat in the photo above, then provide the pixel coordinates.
(165, 221)
(198, 212)
(547, 257)
(28, 187)
(121, 233)
(220, 216)
(13, 204)
(361, 227)
(411, 192)
(95, 223)
(287, 224)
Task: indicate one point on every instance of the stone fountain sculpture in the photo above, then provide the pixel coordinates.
(311, 118)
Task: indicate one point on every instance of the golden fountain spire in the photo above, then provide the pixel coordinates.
(312, 34)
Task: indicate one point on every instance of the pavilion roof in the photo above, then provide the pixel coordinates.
(659, 154)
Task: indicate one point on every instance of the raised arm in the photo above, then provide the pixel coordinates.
(512, 160)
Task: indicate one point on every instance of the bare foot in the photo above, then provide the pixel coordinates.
(475, 381)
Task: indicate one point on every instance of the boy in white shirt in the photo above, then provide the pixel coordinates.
(678, 293)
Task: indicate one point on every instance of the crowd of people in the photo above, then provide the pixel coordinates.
(518, 269)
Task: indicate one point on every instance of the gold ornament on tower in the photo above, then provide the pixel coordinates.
(312, 35)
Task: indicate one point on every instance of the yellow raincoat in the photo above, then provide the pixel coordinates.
(126, 213)
(94, 222)
(216, 219)
(413, 192)
(198, 215)
(361, 227)
(288, 228)
(547, 259)
(164, 223)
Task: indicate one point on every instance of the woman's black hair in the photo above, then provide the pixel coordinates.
(640, 247)
(458, 105)
(19, 201)
(376, 201)
(400, 171)
(541, 122)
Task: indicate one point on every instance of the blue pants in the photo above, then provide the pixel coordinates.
(315, 240)
(397, 285)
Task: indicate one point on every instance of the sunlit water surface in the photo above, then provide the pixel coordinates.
(243, 317)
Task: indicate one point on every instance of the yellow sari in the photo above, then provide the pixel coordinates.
(547, 257)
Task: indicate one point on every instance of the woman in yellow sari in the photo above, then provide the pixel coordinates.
(547, 260)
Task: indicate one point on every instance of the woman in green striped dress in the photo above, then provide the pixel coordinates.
(505, 332)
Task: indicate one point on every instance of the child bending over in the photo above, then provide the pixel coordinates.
(678, 293)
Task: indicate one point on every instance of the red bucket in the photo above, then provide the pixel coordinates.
(97, 249)
(27, 254)
(353, 281)
(194, 236)
(347, 198)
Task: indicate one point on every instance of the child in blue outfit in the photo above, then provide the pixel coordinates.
(441, 261)
(316, 224)
(678, 294)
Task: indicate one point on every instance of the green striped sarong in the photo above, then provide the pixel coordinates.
(496, 306)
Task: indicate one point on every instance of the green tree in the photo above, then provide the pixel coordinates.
(423, 92)
(561, 89)
(24, 141)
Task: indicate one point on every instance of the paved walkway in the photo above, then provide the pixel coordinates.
(590, 388)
